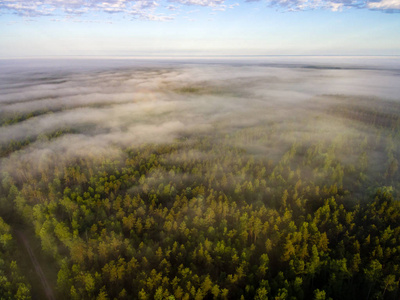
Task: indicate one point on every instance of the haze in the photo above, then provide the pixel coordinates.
(105, 106)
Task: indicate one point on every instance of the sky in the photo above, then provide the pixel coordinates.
(55, 28)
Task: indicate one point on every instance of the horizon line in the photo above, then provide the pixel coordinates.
(208, 56)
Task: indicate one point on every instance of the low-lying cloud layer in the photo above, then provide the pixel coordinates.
(62, 112)
(147, 9)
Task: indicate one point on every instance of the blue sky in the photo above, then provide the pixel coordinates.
(198, 27)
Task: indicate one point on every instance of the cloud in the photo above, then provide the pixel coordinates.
(145, 9)
(220, 8)
(211, 3)
(159, 17)
(110, 105)
(335, 5)
(29, 8)
(387, 5)
(172, 7)
(142, 9)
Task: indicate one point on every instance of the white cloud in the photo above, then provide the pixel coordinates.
(172, 7)
(220, 8)
(212, 3)
(385, 5)
(159, 17)
(78, 7)
(146, 9)
(334, 5)
(26, 8)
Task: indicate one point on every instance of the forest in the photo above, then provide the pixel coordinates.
(201, 181)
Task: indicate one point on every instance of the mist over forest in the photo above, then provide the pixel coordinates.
(271, 178)
(104, 109)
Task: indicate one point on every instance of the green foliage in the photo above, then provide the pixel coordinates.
(13, 285)
(202, 218)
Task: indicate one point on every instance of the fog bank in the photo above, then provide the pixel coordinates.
(89, 107)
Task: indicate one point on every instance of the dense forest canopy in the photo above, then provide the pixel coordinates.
(213, 180)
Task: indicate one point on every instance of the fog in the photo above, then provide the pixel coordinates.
(105, 106)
